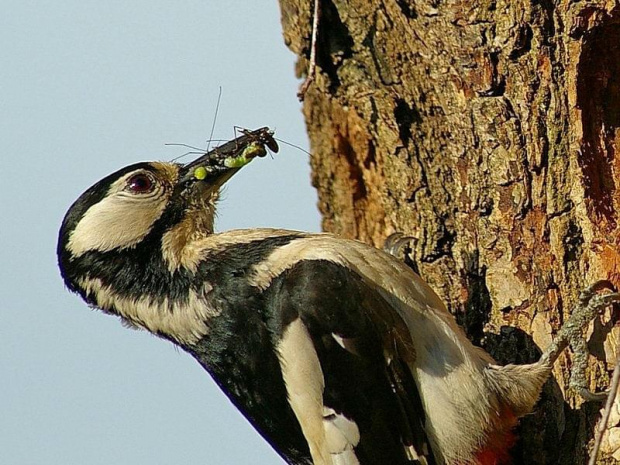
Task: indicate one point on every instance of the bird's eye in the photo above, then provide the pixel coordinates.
(140, 183)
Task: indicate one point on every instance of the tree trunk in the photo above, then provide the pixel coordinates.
(488, 130)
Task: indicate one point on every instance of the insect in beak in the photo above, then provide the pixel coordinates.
(218, 165)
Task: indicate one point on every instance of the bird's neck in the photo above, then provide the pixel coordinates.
(181, 245)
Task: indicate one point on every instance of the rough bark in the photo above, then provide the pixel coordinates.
(489, 131)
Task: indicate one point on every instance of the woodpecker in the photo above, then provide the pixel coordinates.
(335, 351)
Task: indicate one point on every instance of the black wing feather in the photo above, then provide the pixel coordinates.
(379, 395)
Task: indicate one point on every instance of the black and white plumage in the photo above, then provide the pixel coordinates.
(335, 351)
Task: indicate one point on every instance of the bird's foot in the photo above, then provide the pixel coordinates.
(395, 242)
(591, 303)
(578, 381)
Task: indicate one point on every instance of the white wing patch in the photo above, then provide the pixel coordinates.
(345, 458)
(340, 340)
(331, 436)
(342, 434)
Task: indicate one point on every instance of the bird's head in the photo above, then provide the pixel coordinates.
(148, 212)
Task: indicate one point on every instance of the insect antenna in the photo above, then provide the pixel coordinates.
(217, 108)
(191, 152)
(293, 145)
(177, 144)
(194, 151)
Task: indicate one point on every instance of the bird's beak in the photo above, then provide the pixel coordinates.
(217, 166)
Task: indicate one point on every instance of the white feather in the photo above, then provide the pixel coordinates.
(330, 435)
(341, 433)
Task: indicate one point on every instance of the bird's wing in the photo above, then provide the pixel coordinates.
(344, 354)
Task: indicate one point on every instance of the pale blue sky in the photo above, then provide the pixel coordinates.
(87, 87)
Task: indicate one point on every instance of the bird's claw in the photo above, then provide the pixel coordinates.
(395, 242)
(591, 304)
(590, 396)
(592, 289)
(578, 381)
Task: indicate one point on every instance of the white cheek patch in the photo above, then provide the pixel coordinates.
(119, 221)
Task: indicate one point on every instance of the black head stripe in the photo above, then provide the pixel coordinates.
(142, 270)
